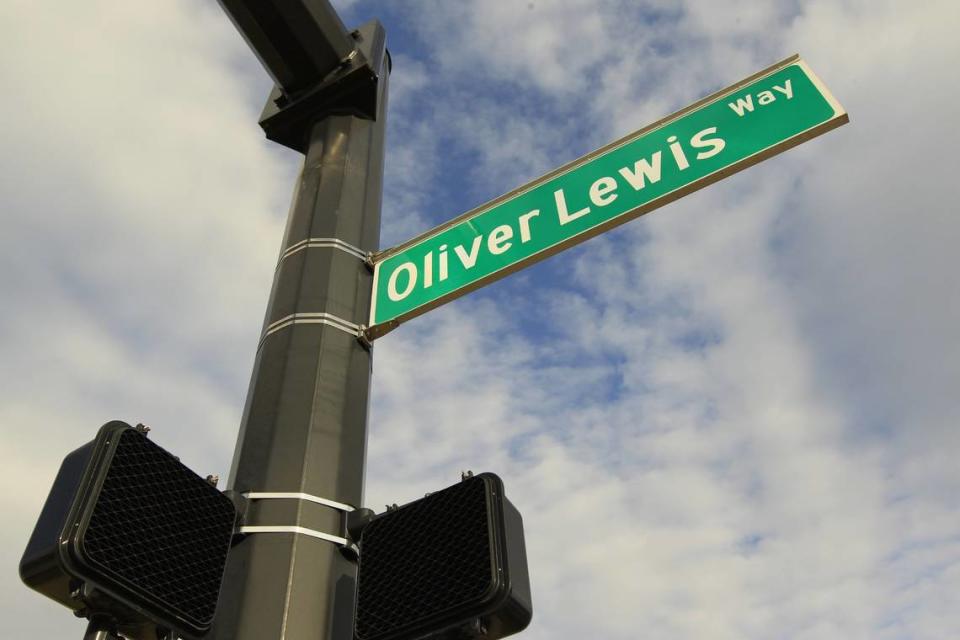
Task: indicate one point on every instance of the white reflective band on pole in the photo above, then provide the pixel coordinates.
(293, 529)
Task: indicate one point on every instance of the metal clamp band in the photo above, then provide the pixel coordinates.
(328, 319)
(285, 495)
(290, 495)
(294, 529)
(328, 243)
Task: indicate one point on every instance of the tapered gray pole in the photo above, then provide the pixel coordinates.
(101, 628)
(304, 427)
(297, 41)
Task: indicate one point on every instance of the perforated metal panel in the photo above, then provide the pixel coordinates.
(450, 566)
(160, 528)
(131, 534)
(425, 559)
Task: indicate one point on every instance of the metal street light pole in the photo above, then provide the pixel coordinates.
(304, 427)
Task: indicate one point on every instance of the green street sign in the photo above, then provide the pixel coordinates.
(767, 113)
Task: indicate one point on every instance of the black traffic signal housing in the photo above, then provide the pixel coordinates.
(130, 534)
(451, 565)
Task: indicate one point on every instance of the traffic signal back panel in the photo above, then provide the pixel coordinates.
(452, 564)
(127, 519)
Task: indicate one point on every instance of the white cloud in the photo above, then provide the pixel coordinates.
(788, 492)
(141, 217)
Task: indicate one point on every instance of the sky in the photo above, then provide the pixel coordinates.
(733, 418)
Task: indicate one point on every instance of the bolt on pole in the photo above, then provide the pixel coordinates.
(304, 427)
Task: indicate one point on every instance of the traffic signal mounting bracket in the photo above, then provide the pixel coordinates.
(353, 88)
